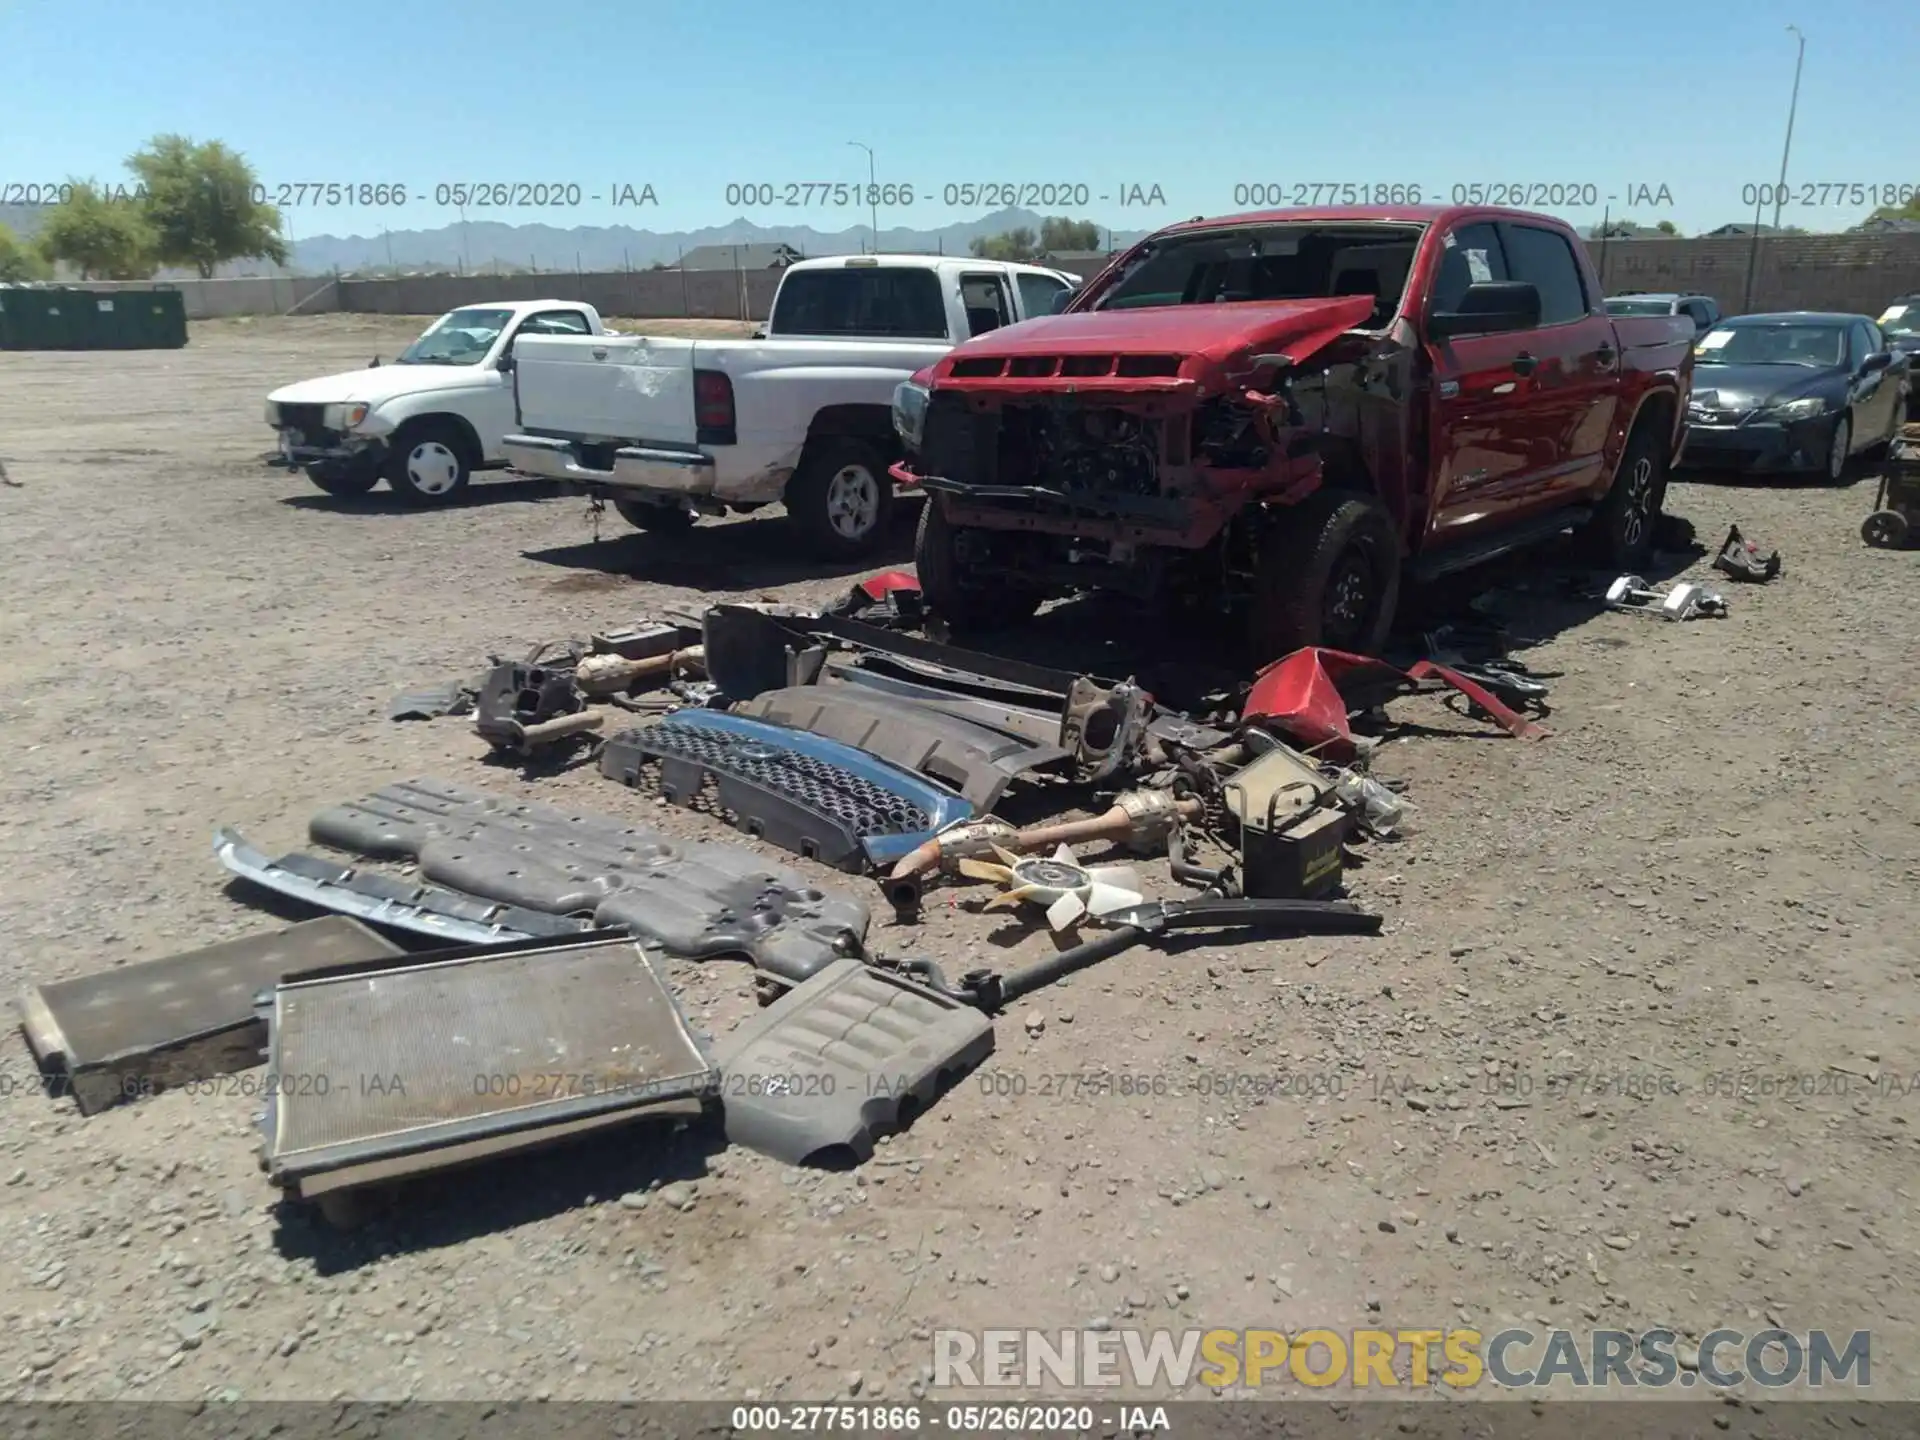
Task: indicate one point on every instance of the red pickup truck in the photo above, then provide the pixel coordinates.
(1281, 413)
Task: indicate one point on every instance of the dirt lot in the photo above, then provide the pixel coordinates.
(1707, 874)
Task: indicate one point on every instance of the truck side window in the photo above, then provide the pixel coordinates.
(986, 301)
(1472, 256)
(1037, 293)
(1543, 258)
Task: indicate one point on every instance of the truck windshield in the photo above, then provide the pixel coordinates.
(1815, 346)
(1639, 307)
(898, 303)
(460, 337)
(1298, 261)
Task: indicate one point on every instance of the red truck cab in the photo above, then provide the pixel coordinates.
(1283, 412)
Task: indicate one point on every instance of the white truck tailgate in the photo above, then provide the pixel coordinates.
(606, 387)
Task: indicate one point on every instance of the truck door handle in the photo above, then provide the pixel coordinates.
(1525, 364)
(1605, 355)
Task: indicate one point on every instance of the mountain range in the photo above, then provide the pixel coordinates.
(483, 244)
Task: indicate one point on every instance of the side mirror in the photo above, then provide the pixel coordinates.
(505, 363)
(1490, 308)
(1879, 360)
(1060, 300)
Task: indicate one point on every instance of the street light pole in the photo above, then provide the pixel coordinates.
(1780, 190)
(873, 195)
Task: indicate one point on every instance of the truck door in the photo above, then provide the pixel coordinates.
(1576, 366)
(496, 412)
(1480, 451)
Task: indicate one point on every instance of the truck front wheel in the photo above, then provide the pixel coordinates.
(654, 515)
(841, 499)
(428, 463)
(342, 479)
(964, 603)
(1329, 576)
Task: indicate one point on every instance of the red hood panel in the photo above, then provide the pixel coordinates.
(1298, 327)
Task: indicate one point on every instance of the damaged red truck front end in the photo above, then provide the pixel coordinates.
(1261, 414)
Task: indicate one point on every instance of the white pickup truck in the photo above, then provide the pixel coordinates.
(669, 429)
(426, 420)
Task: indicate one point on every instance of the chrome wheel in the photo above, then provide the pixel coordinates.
(433, 468)
(1636, 511)
(853, 501)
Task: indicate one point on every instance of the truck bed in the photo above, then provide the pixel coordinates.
(627, 388)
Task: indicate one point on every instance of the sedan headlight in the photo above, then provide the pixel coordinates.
(344, 417)
(1806, 409)
(909, 412)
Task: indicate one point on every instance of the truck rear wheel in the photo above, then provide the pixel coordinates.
(1329, 577)
(963, 603)
(841, 499)
(654, 515)
(1620, 534)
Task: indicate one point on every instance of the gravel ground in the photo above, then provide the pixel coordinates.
(1709, 871)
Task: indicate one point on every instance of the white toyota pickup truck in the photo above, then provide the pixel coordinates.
(427, 419)
(670, 429)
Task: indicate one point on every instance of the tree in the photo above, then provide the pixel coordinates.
(19, 262)
(1667, 227)
(1059, 233)
(1017, 244)
(1908, 211)
(202, 203)
(101, 238)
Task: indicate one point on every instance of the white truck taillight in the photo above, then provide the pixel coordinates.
(713, 407)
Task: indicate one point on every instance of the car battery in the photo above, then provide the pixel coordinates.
(1292, 832)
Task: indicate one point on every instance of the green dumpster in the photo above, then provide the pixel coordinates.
(66, 318)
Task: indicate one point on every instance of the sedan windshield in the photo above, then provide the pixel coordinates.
(460, 337)
(1902, 319)
(1639, 307)
(1298, 261)
(1817, 347)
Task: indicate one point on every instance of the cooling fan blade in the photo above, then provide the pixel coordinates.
(1069, 890)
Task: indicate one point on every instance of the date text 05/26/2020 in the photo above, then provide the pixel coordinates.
(1506, 194)
(370, 194)
(960, 194)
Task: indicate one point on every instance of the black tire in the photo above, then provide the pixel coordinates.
(1840, 445)
(344, 481)
(1620, 534)
(428, 463)
(1329, 575)
(655, 516)
(947, 593)
(841, 499)
(1886, 530)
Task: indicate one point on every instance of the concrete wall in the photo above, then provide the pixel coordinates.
(259, 295)
(641, 294)
(1793, 272)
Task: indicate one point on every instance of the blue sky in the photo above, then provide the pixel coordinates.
(1599, 100)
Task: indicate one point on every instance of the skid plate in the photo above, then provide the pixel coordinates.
(694, 899)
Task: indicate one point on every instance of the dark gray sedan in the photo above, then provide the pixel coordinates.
(1798, 392)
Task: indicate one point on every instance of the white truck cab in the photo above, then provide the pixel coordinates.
(670, 429)
(426, 420)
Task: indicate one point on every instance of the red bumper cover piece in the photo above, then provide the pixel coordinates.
(1308, 694)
